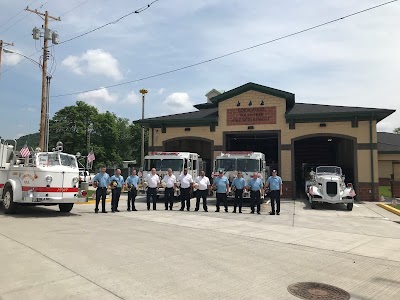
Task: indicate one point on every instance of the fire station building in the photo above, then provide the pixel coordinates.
(295, 137)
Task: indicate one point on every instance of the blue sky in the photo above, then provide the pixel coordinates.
(355, 62)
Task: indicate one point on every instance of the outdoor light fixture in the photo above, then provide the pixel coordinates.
(250, 103)
(329, 140)
(238, 104)
(262, 103)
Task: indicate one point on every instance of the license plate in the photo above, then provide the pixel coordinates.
(41, 199)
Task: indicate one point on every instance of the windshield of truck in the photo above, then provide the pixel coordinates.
(329, 170)
(248, 165)
(68, 160)
(56, 159)
(226, 164)
(164, 164)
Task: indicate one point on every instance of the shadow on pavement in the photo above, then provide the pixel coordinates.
(37, 212)
(323, 206)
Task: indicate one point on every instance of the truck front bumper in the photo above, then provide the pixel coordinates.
(52, 200)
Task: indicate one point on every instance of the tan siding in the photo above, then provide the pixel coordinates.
(385, 168)
(364, 166)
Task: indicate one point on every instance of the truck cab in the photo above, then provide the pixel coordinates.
(40, 178)
(177, 161)
(247, 162)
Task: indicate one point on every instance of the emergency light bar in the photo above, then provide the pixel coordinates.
(164, 153)
(228, 153)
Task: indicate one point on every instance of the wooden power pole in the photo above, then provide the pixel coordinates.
(43, 111)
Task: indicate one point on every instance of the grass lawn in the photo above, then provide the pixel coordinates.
(395, 206)
(385, 191)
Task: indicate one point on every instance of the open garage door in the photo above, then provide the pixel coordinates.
(264, 142)
(311, 152)
(203, 147)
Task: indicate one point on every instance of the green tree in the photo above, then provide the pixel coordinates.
(71, 126)
(112, 139)
(397, 130)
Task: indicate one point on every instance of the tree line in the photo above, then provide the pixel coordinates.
(82, 128)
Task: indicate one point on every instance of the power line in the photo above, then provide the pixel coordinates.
(137, 11)
(231, 53)
(12, 18)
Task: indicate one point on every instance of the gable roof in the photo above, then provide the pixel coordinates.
(388, 143)
(200, 117)
(250, 87)
(306, 112)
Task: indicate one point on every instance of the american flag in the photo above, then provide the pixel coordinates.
(91, 157)
(25, 151)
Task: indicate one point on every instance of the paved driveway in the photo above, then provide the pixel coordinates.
(45, 254)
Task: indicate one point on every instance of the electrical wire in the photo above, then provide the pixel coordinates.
(230, 53)
(21, 11)
(137, 11)
(22, 60)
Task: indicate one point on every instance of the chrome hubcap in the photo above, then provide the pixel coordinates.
(7, 200)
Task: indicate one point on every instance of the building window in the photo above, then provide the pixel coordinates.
(187, 129)
(292, 125)
(164, 129)
(212, 128)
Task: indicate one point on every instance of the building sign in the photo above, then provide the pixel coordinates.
(251, 116)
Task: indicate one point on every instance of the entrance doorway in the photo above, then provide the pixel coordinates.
(204, 147)
(266, 142)
(322, 150)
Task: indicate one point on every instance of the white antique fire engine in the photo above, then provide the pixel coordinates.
(327, 184)
(248, 162)
(177, 161)
(42, 178)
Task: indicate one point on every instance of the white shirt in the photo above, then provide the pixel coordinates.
(203, 182)
(153, 180)
(169, 180)
(185, 180)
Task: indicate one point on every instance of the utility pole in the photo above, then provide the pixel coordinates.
(2, 43)
(47, 36)
(143, 92)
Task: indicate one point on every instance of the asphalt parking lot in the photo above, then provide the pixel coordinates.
(45, 254)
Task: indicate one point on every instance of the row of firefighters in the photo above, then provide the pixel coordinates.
(227, 181)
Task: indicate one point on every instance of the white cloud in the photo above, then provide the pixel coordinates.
(11, 59)
(132, 98)
(161, 91)
(94, 61)
(178, 103)
(101, 95)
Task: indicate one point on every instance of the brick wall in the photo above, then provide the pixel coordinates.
(364, 191)
(396, 189)
(287, 190)
(384, 181)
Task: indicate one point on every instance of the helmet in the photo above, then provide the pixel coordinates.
(129, 186)
(163, 184)
(178, 183)
(114, 183)
(195, 186)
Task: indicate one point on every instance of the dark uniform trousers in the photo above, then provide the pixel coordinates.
(151, 193)
(224, 198)
(115, 194)
(275, 196)
(201, 194)
(255, 197)
(132, 197)
(185, 196)
(169, 197)
(101, 192)
(238, 199)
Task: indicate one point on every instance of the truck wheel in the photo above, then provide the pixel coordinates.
(10, 207)
(349, 206)
(313, 204)
(65, 207)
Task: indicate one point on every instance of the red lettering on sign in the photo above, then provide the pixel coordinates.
(251, 116)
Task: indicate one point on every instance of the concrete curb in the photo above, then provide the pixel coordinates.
(389, 208)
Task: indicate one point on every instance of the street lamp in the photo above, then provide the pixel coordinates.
(45, 110)
(143, 92)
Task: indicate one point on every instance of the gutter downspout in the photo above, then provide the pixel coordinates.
(152, 138)
(372, 160)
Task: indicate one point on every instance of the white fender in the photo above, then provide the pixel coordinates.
(16, 187)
